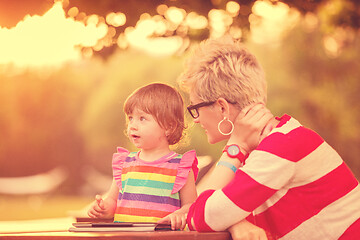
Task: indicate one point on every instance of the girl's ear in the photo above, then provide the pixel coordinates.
(168, 131)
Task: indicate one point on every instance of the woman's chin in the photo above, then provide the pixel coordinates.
(213, 140)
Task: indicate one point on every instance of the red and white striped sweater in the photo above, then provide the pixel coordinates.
(293, 185)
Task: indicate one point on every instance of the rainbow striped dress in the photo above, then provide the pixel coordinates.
(149, 191)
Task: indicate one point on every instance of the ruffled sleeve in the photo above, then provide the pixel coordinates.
(188, 162)
(117, 164)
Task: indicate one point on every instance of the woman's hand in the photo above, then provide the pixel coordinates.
(245, 230)
(251, 125)
(176, 219)
(101, 208)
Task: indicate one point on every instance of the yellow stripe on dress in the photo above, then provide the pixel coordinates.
(149, 176)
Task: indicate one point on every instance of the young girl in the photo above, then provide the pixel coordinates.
(154, 184)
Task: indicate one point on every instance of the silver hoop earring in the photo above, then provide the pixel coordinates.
(232, 127)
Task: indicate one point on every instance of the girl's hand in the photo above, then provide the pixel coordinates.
(100, 209)
(251, 125)
(245, 230)
(176, 219)
(188, 195)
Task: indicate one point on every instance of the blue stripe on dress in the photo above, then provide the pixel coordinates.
(148, 183)
(130, 159)
(175, 160)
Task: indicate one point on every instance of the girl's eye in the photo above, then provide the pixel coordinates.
(130, 118)
(142, 119)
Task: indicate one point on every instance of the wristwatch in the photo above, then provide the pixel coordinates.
(233, 151)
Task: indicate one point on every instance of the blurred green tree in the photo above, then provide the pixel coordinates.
(73, 116)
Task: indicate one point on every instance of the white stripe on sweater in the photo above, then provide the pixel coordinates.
(315, 165)
(269, 169)
(221, 212)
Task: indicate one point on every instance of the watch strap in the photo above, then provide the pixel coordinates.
(240, 156)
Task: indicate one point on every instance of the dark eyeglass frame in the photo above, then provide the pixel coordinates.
(197, 106)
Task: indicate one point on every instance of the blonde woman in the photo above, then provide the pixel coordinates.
(274, 172)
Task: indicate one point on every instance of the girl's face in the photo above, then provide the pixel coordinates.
(209, 117)
(145, 132)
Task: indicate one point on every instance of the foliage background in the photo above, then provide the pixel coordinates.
(71, 116)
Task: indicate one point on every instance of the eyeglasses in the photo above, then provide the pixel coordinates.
(193, 109)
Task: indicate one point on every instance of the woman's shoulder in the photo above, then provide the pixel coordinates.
(290, 140)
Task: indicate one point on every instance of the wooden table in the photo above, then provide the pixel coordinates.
(57, 229)
(159, 235)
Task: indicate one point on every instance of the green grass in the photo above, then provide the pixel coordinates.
(37, 207)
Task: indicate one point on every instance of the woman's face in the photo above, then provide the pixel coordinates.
(209, 118)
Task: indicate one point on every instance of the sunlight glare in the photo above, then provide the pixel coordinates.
(92, 20)
(270, 11)
(160, 28)
(233, 8)
(219, 22)
(73, 12)
(142, 37)
(161, 9)
(48, 40)
(116, 19)
(175, 15)
(311, 22)
(235, 32)
(196, 21)
(269, 21)
(331, 46)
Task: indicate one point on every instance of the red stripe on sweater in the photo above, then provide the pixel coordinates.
(189, 217)
(246, 193)
(353, 232)
(283, 120)
(292, 146)
(302, 203)
(197, 212)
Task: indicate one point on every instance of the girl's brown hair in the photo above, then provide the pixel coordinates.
(164, 103)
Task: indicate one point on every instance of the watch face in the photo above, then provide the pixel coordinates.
(233, 150)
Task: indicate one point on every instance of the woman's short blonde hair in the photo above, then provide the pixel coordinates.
(224, 68)
(164, 103)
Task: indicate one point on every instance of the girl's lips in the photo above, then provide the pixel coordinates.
(135, 136)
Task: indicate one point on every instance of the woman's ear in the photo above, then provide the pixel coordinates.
(224, 107)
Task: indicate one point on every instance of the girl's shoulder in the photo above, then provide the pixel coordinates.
(118, 161)
(188, 162)
(120, 155)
